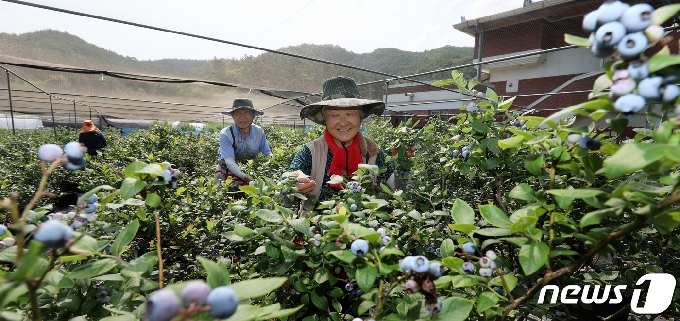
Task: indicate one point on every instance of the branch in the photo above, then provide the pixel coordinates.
(158, 248)
(499, 196)
(617, 314)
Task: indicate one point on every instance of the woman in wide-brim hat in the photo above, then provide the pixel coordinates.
(342, 147)
(240, 141)
(91, 137)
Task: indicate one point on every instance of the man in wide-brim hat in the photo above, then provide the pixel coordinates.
(242, 140)
(342, 147)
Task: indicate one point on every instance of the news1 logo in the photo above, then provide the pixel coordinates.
(659, 295)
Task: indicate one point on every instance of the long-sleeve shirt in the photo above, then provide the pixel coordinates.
(93, 141)
(246, 147)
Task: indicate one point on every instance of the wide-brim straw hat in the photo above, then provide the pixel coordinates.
(88, 126)
(243, 103)
(341, 92)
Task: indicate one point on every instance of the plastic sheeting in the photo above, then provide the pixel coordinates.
(20, 121)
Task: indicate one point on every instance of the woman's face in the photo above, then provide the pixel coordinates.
(243, 117)
(343, 124)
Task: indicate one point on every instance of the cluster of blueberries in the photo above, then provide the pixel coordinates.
(354, 188)
(83, 217)
(359, 247)
(102, 294)
(75, 154)
(486, 263)
(171, 175)
(462, 154)
(7, 239)
(163, 305)
(618, 27)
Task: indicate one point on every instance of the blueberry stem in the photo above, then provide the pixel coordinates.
(158, 248)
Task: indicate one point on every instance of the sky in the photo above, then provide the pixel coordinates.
(358, 26)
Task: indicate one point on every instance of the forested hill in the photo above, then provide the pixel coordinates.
(268, 69)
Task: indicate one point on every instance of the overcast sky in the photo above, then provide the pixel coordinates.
(359, 26)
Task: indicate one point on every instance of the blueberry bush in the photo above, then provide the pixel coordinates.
(490, 207)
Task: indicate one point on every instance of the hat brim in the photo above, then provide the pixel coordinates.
(257, 112)
(314, 112)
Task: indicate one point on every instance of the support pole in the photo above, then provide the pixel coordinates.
(54, 123)
(479, 53)
(9, 93)
(75, 117)
(387, 88)
(222, 120)
(90, 113)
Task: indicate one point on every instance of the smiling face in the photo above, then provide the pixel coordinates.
(243, 117)
(342, 123)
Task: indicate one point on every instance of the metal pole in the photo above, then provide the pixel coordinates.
(479, 54)
(387, 88)
(9, 93)
(75, 117)
(90, 113)
(69, 119)
(54, 123)
(223, 121)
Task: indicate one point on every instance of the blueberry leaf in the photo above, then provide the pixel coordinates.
(366, 277)
(533, 256)
(576, 40)
(664, 13)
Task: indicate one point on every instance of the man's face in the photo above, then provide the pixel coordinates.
(243, 117)
(343, 124)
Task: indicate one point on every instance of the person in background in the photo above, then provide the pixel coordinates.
(240, 141)
(91, 137)
(342, 147)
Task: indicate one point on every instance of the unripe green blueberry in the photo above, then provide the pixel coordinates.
(163, 305)
(9, 241)
(195, 292)
(654, 33)
(359, 247)
(223, 302)
(491, 255)
(484, 262)
(573, 138)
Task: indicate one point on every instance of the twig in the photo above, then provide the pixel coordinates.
(158, 248)
(622, 311)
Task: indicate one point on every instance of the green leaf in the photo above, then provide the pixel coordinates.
(464, 280)
(269, 215)
(131, 170)
(319, 300)
(664, 13)
(243, 231)
(534, 164)
(510, 142)
(618, 124)
(494, 216)
(153, 200)
(454, 309)
(154, 170)
(300, 224)
(491, 95)
(89, 193)
(321, 275)
(364, 306)
(344, 255)
(556, 253)
(363, 232)
(130, 187)
(462, 213)
(486, 300)
(522, 223)
(533, 256)
(576, 40)
(218, 275)
(93, 269)
(667, 222)
(523, 192)
(255, 288)
(578, 109)
(575, 193)
(448, 248)
(491, 163)
(479, 126)
(390, 251)
(124, 238)
(492, 231)
(465, 228)
(249, 189)
(86, 245)
(595, 217)
(632, 157)
(658, 62)
(601, 84)
(366, 277)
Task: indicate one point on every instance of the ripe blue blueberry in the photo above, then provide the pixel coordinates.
(630, 103)
(353, 207)
(638, 17)
(469, 247)
(92, 217)
(436, 270)
(610, 34)
(434, 308)
(53, 233)
(90, 208)
(468, 267)
(454, 153)
(74, 150)
(611, 10)
(465, 154)
(639, 69)
(386, 240)
(485, 272)
(382, 231)
(92, 199)
(349, 287)
(195, 292)
(409, 186)
(498, 290)
(75, 164)
(167, 176)
(163, 305)
(3, 230)
(650, 88)
(632, 45)
(589, 143)
(671, 93)
(600, 51)
(223, 302)
(420, 264)
(406, 263)
(50, 152)
(359, 247)
(590, 21)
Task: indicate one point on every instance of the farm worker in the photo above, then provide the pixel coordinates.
(240, 141)
(342, 148)
(91, 137)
